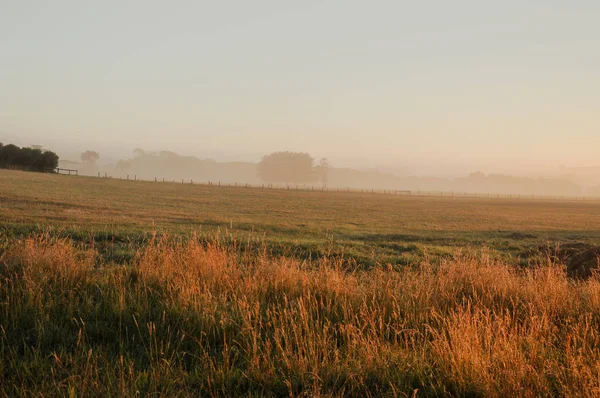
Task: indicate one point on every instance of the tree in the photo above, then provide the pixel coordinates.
(50, 160)
(9, 156)
(287, 167)
(90, 156)
(323, 171)
(138, 152)
(33, 159)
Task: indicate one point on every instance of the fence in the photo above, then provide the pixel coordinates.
(389, 192)
(58, 170)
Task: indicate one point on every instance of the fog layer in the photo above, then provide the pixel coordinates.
(169, 166)
(433, 88)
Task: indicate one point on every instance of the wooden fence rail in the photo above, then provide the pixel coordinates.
(59, 170)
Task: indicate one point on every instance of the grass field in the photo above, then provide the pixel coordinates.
(365, 227)
(122, 288)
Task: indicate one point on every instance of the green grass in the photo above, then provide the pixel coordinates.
(368, 228)
(123, 288)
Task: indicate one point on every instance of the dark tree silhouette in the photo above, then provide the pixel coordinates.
(287, 167)
(9, 155)
(50, 160)
(33, 159)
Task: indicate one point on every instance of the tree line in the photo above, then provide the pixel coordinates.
(30, 159)
(277, 167)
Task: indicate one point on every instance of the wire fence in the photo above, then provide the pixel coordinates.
(389, 192)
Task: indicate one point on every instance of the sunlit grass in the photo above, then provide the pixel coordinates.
(370, 228)
(197, 317)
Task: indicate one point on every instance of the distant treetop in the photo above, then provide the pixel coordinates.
(287, 167)
(138, 152)
(90, 156)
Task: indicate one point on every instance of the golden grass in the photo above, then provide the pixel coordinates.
(195, 318)
(368, 228)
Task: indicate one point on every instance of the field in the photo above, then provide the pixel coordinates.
(111, 287)
(369, 228)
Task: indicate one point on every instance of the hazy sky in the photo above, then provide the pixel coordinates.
(443, 82)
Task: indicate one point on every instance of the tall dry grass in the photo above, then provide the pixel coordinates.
(190, 318)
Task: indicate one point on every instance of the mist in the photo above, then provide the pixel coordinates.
(342, 172)
(454, 97)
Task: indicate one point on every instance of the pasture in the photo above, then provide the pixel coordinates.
(123, 288)
(369, 228)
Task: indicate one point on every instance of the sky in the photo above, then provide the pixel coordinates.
(431, 85)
